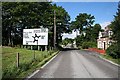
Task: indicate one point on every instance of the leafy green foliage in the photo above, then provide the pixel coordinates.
(17, 16)
(114, 50)
(95, 32)
(80, 39)
(86, 45)
(116, 28)
(84, 23)
(81, 21)
(111, 58)
(92, 32)
(27, 62)
(89, 35)
(62, 22)
(67, 41)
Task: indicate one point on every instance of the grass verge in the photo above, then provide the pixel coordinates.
(27, 62)
(0, 62)
(111, 59)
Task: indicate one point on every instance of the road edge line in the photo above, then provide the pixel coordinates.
(42, 66)
(33, 74)
(50, 60)
(110, 61)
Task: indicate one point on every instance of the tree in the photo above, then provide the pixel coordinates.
(17, 16)
(83, 23)
(114, 49)
(80, 39)
(95, 32)
(67, 41)
(116, 25)
(83, 20)
(62, 22)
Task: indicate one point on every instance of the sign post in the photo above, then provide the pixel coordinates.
(17, 59)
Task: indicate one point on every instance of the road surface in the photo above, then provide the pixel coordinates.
(78, 64)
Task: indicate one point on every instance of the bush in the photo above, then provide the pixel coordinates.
(86, 45)
(79, 47)
(10, 72)
(113, 51)
(59, 47)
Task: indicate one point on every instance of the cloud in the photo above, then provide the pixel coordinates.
(103, 25)
(72, 35)
(66, 35)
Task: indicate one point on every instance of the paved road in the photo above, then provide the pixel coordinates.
(78, 64)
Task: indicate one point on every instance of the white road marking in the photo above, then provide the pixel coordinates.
(33, 74)
(42, 67)
(49, 61)
(109, 61)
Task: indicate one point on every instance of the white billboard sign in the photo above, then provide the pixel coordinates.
(35, 36)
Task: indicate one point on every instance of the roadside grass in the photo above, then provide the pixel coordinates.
(0, 62)
(27, 62)
(111, 59)
(106, 56)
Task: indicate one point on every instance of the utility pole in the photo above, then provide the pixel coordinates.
(76, 39)
(54, 29)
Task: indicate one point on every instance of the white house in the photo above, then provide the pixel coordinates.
(104, 40)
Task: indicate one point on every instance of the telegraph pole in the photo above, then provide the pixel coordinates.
(54, 29)
(76, 39)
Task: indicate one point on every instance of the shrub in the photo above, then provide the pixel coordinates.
(25, 66)
(79, 47)
(113, 51)
(86, 45)
(10, 72)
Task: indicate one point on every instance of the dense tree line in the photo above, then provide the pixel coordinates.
(88, 32)
(114, 49)
(17, 16)
(67, 41)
